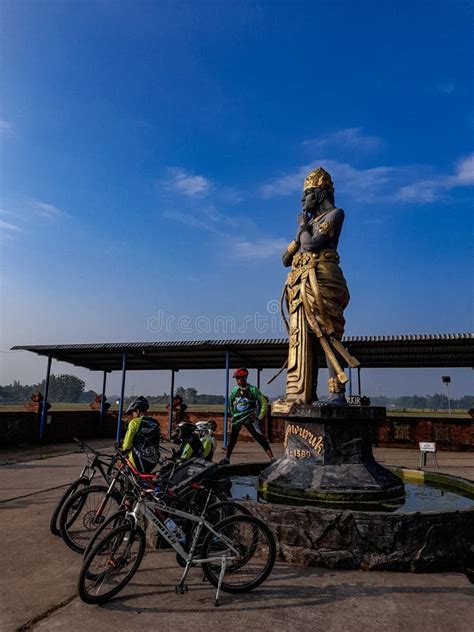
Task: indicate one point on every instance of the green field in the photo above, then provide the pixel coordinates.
(157, 408)
(218, 408)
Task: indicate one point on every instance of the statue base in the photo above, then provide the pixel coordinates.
(329, 461)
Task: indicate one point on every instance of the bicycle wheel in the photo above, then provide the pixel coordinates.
(215, 513)
(84, 513)
(196, 498)
(112, 522)
(53, 524)
(218, 511)
(250, 549)
(111, 564)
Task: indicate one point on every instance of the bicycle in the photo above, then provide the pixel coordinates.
(96, 461)
(87, 510)
(236, 555)
(187, 499)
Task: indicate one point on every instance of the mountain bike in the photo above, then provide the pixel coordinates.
(236, 555)
(96, 462)
(89, 509)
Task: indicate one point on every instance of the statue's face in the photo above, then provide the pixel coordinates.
(312, 199)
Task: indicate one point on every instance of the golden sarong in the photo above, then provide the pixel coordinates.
(316, 294)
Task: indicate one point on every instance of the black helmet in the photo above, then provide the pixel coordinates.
(186, 428)
(141, 403)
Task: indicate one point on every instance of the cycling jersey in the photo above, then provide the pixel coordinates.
(246, 404)
(190, 448)
(143, 441)
(209, 446)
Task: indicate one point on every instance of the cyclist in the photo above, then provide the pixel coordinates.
(247, 405)
(142, 441)
(206, 432)
(190, 443)
(179, 411)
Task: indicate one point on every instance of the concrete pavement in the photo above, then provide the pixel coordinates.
(38, 576)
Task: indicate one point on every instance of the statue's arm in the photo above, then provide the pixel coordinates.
(294, 246)
(324, 232)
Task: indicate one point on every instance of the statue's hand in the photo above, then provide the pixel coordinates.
(302, 220)
(287, 258)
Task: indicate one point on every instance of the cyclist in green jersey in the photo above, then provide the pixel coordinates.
(247, 405)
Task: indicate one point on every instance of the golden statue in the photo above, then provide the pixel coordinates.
(316, 295)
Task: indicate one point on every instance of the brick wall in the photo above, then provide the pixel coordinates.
(449, 434)
(22, 428)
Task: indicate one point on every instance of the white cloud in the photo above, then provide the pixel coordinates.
(465, 171)
(8, 230)
(46, 210)
(7, 226)
(181, 181)
(5, 126)
(424, 191)
(207, 217)
(259, 249)
(348, 138)
(370, 183)
(410, 183)
(447, 87)
(433, 189)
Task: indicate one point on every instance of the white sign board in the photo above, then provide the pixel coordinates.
(426, 446)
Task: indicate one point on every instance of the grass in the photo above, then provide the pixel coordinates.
(60, 406)
(219, 408)
(413, 412)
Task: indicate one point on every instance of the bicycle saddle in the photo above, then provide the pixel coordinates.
(217, 485)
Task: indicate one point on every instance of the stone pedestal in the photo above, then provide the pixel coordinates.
(329, 462)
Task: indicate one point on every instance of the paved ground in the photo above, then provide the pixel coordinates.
(38, 575)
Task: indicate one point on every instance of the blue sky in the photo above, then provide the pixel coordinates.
(153, 156)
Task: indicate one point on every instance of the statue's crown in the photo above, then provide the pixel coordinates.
(319, 179)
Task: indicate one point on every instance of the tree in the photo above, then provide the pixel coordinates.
(181, 392)
(191, 395)
(63, 388)
(438, 401)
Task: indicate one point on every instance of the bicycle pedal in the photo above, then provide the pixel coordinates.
(181, 589)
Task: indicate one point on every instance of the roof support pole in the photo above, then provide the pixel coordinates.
(350, 382)
(102, 401)
(258, 378)
(122, 397)
(170, 413)
(226, 399)
(44, 407)
(358, 380)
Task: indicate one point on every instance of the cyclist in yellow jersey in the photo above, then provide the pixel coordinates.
(142, 440)
(206, 433)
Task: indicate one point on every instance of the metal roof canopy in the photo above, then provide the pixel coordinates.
(410, 351)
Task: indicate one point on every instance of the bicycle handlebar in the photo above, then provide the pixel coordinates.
(85, 446)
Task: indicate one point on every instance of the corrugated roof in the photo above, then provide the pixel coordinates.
(409, 350)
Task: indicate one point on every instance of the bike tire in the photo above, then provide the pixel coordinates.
(256, 544)
(215, 513)
(54, 522)
(196, 498)
(109, 547)
(112, 522)
(76, 521)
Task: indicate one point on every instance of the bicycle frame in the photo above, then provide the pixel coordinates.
(149, 510)
(95, 463)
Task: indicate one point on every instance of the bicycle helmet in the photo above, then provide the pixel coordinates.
(203, 427)
(140, 403)
(240, 373)
(186, 428)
